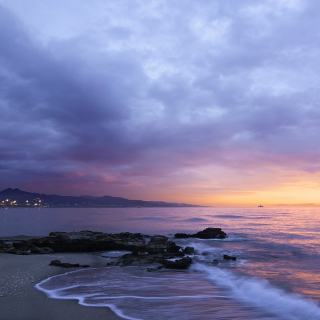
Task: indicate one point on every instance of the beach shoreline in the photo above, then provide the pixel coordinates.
(19, 299)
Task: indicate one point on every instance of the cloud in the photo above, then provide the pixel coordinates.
(128, 93)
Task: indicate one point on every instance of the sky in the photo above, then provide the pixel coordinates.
(203, 102)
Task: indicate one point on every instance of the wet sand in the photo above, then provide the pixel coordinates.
(20, 300)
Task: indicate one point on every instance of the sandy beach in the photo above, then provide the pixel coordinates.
(20, 300)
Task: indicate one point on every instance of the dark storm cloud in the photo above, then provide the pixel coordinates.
(148, 90)
(54, 99)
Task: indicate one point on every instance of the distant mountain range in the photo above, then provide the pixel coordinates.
(18, 198)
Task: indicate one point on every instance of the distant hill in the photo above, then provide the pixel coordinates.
(18, 198)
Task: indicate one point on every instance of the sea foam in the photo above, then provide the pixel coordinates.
(203, 292)
(135, 294)
(260, 293)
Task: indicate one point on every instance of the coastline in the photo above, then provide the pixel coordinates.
(21, 300)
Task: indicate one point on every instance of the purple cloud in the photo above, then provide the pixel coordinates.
(121, 95)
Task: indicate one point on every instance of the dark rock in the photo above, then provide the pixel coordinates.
(172, 247)
(211, 233)
(226, 257)
(158, 240)
(138, 250)
(157, 251)
(65, 265)
(188, 250)
(59, 235)
(157, 244)
(128, 259)
(47, 250)
(179, 254)
(55, 263)
(35, 249)
(75, 265)
(151, 269)
(116, 263)
(183, 263)
(145, 259)
(167, 255)
(12, 250)
(155, 269)
(183, 235)
(70, 265)
(58, 263)
(208, 233)
(88, 241)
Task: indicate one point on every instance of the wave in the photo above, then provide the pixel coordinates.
(235, 216)
(202, 292)
(136, 294)
(149, 218)
(231, 216)
(261, 294)
(205, 252)
(196, 219)
(58, 292)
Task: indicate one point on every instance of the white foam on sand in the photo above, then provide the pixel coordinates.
(58, 294)
(134, 294)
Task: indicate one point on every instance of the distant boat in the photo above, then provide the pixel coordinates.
(260, 206)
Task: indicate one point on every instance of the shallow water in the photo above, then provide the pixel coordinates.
(276, 275)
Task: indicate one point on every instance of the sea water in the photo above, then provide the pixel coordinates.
(276, 274)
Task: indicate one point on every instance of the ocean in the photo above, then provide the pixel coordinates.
(276, 274)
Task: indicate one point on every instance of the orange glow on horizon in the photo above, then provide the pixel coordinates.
(294, 194)
(208, 186)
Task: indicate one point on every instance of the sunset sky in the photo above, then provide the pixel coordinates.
(204, 102)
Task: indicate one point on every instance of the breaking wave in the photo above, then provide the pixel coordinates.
(260, 293)
(203, 292)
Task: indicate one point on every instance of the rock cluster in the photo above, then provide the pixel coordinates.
(145, 250)
(183, 263)
(227, 257)
(157, 251)
(58, 263)
(83, 241)
(209, 233)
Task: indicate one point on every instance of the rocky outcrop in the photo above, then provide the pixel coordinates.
(209, 233)
(157, 244)
(226, 257)
(83, 241)
(58, 263)
(173, 248)
(183, 263)
(137, 260)
(43, 250)
(88, 241)
(188, 250)
(156, 251)
(160, 260)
